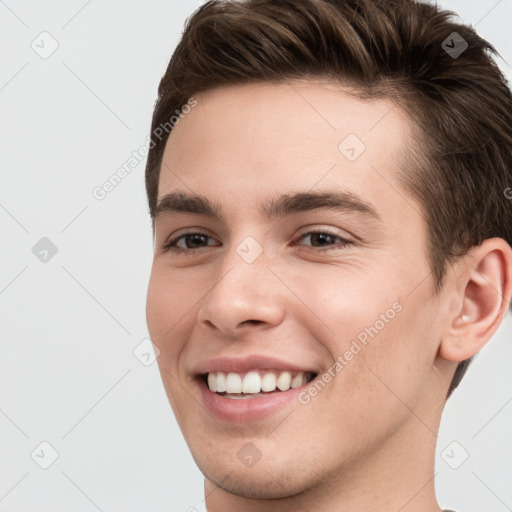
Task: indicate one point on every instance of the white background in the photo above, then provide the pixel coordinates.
(68, 375)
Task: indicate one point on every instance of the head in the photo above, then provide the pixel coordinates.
(368, 98)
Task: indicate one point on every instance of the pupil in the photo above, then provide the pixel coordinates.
(322, 237)
(196, 239)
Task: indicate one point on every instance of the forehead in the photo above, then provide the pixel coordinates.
(256, 140)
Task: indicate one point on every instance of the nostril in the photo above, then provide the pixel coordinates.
(251, 322)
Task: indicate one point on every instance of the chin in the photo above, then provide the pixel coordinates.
(263, 484)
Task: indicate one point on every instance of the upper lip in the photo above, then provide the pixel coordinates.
(246, 363)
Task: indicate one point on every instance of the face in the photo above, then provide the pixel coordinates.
(259, 280)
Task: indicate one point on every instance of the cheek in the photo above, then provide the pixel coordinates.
(157, 302)
(353, 304)
(375, 329)
(167, 325)
(163, 313)
(394, 364)
(170, 297)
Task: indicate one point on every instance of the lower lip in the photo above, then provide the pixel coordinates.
(246, 409)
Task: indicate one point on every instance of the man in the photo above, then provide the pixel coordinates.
(333, 239)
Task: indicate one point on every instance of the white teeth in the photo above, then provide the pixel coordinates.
(212, 381)
(251, 383)
(220, 382)
(255, 382)
(284, 381)
(268, 382)
(297, 381)
(233, 383)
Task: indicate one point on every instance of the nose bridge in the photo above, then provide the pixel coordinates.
(245, 291)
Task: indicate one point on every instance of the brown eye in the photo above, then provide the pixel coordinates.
(192, 241)
(188, 242)
(323, 240)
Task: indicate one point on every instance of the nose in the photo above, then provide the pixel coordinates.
(243, 297)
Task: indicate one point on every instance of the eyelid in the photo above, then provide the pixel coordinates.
(331, 230)
(318, 228)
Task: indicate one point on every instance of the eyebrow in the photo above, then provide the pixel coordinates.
(286, 204)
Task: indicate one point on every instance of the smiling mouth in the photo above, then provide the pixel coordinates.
(255, 383)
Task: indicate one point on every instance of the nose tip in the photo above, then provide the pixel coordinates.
(233, 318)
(246, 297)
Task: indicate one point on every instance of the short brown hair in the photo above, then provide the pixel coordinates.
(459, 161)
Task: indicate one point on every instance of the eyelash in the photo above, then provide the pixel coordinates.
(170, 247)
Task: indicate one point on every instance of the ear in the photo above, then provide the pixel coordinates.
(484, 289)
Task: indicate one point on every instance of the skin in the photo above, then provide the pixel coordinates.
(369, 436)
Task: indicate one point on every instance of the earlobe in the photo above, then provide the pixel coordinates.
(485, 283)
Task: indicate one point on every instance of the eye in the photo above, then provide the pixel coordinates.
(325, 239)
(187, 242)
(322, 240)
